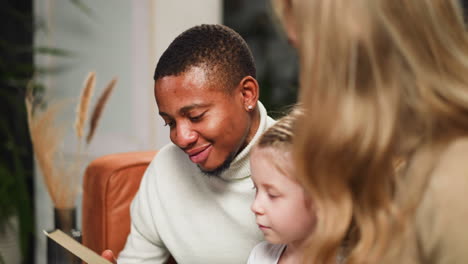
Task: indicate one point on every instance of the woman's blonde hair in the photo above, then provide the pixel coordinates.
(379, 81)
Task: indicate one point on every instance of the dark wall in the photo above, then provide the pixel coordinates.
(16, 163)
(276, 61)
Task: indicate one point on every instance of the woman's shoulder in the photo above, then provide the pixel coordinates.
(442, 214)
(448, 182)
(451, 170)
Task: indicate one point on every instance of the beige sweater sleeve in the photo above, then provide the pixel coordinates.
(442, 218)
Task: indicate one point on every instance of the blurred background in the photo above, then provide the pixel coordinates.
(57, 43)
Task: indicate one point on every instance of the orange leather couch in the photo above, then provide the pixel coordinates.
(109, 185)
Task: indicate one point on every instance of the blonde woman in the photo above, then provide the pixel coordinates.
(383, 147)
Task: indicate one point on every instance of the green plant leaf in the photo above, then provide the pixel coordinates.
(83, 7)
(53, 51)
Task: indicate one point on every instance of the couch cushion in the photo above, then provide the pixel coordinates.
(109, 185)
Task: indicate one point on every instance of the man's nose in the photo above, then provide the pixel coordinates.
(185, 136)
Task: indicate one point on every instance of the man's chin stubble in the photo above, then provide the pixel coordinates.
(219, 170)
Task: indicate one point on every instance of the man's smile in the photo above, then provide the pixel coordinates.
(200, 154)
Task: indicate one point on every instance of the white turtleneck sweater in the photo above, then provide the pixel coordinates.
(178, 210)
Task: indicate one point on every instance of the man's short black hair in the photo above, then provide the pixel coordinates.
(221, 51)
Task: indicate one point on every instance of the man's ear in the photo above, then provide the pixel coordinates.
(250, 92)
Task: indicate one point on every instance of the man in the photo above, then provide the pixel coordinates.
(194, 199)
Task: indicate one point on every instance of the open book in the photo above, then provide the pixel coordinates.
(84, 253)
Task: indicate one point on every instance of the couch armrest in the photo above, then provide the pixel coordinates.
(109, 185)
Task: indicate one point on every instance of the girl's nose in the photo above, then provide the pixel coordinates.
(257, 207)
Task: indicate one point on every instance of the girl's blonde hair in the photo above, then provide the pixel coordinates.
(281, 134)
(279, 140)
(380, 80)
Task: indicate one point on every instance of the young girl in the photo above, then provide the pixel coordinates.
(284, 213)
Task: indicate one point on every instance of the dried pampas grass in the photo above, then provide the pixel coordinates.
(83, 104)
(62, 174)
(98, 108)
(61, 181)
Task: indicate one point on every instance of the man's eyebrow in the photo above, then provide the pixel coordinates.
(186, 109)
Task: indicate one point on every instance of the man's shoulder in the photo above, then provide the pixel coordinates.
(169, 153)
(270, 121)
(169, 160)
(169, 169)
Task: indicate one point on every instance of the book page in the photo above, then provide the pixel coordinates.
(84, 253)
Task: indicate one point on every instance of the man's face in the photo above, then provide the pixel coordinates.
(207, 123)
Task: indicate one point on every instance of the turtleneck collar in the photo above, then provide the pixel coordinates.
(240, 166)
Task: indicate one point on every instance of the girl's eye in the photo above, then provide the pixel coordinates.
(272, 196)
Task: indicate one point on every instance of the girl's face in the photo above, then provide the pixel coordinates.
(282, 210)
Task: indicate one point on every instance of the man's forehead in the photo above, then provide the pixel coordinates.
(196, 77)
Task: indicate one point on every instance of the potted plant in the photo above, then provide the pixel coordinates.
(62, 175)
(16, 163)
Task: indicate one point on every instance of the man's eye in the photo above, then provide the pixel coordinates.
(170, 123)
(196, 118)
